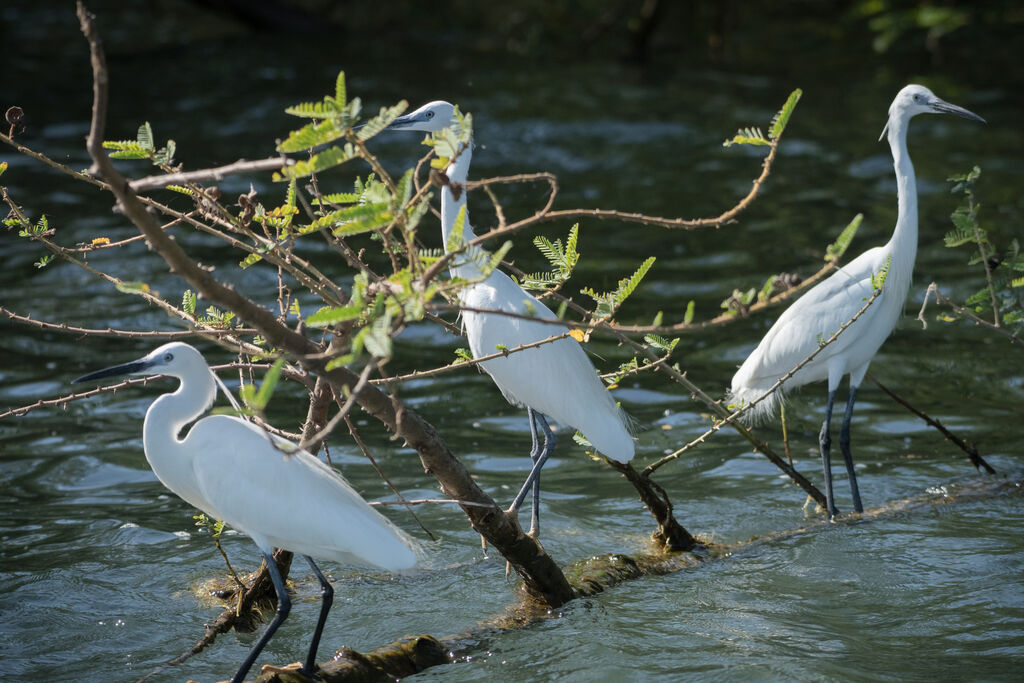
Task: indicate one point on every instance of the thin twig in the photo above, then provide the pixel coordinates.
(424, 501)
(972, 452)
(216, 174)
(111, 332)
(420, 374)
(401, 499)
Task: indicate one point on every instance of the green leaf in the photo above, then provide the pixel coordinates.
(747, 136)
(166, 154)
(455, 236)
(145, 137)
(340, 361)
(314, 110)
(496, 257)
(339, 89)
(381, 121)
(688, 316)
(628, 286)
(250, 260)
(835, 251)
(126, 149)
(463, 354)
(312, 135)
(337, 198)
(377, 337)
(188, 302)
(878, 279)
(959, 237)
(269, 383)
(403, 191)
(332, 315)
(330, 157)
(128, 287)
(780, 119)
(660, 343)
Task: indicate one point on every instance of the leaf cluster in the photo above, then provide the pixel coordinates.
(563, 259)
(1003, 268)
(753, 135)
(609, 302)
(142, 147)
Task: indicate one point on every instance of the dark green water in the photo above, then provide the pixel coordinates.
(99, 561)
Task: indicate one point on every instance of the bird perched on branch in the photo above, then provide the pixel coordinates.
(264, 486)
(554, 380)
(819, 313)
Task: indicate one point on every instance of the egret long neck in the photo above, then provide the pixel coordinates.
(165, 419)
(903, 245)
(453, 201)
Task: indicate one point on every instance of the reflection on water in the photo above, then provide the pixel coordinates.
(100, 563)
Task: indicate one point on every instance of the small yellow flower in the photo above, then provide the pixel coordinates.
(101, 240)
(578, 335)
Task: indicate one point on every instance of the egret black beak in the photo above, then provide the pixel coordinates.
(133, 368)
(401, 122)
(943, 107)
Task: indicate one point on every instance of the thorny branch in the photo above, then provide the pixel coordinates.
(541, 576)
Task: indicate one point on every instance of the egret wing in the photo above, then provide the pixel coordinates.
(556, 378)
(286, 498)
(812, 320)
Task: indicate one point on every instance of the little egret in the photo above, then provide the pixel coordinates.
(262, 485)
(555, 380)
(820, 312)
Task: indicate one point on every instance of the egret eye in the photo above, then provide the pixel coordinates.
(430, 114)
(168, 357)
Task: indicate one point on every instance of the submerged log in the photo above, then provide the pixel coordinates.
(596, 574)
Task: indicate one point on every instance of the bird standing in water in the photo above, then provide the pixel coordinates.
(264, 486)
(820, 312)
(555, 380)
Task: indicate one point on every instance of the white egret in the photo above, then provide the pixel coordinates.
(822, 310)
(555, 380)
(262, 485)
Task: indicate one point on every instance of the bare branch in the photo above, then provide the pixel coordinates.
(156, 182)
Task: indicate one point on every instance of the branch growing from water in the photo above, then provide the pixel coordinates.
(972, 452)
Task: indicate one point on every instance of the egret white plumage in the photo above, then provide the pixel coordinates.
(820, 312)
(555, 380)
(264, 486)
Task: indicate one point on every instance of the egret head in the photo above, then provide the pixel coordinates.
(430, 118)
(175, 359)
(917, 99)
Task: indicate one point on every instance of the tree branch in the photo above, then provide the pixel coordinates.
(540, 574)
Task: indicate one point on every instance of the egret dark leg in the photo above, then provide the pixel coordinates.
(844, 446)
(538, 422)
(284, 606)
(825, 443)
(549, 436)
(326, 599)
